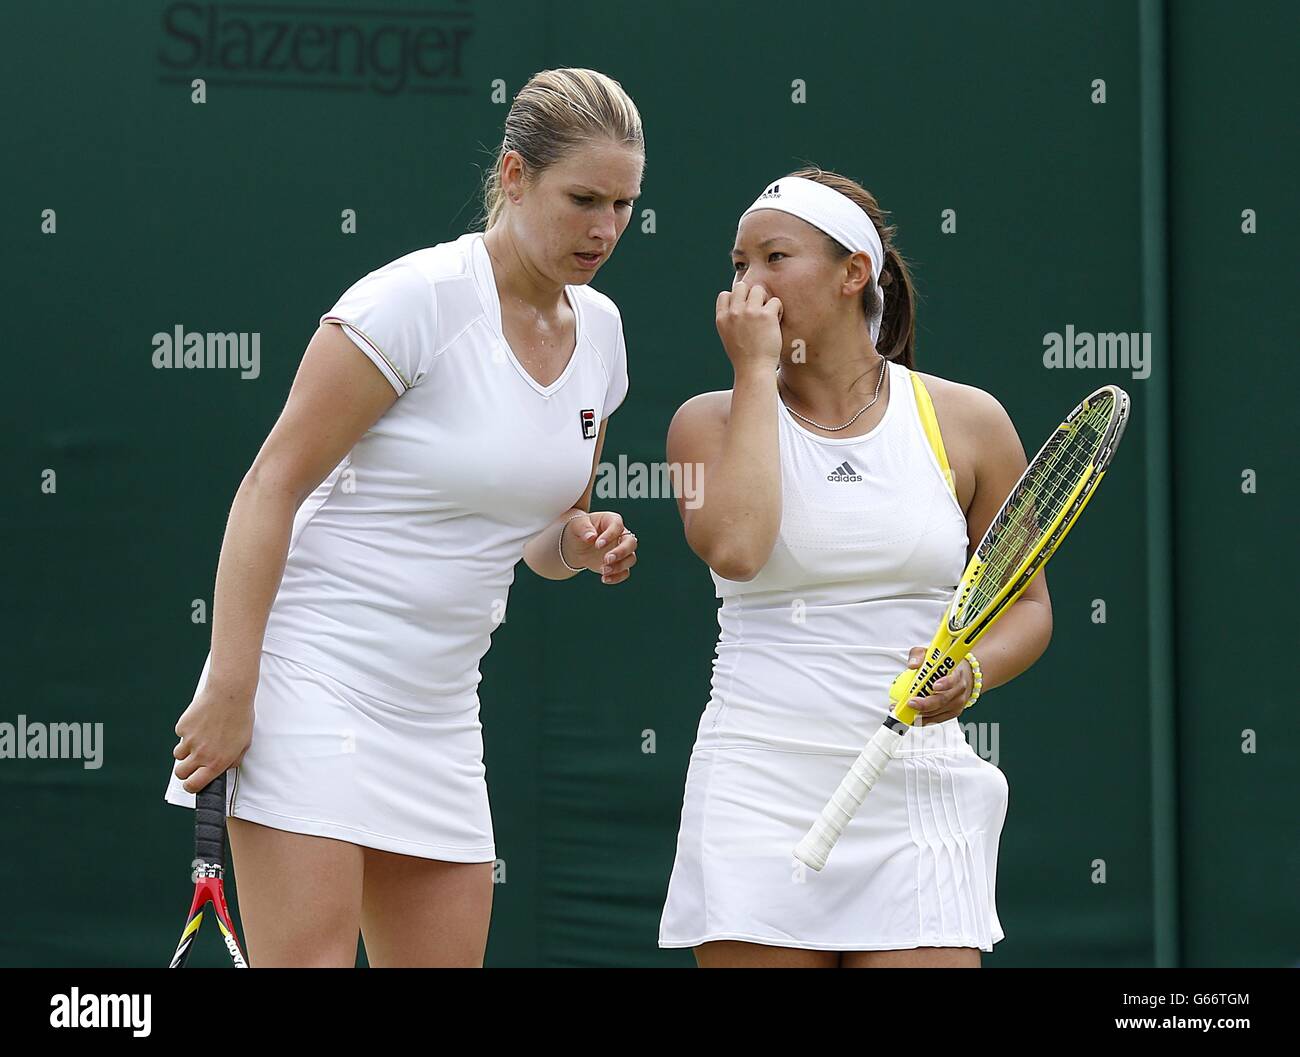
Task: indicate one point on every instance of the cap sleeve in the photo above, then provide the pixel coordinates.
(390, 316)
(617, 375)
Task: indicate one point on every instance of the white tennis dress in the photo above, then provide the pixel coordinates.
(400, 562)
(871, 546)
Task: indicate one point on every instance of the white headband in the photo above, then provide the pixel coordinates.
(840, 217)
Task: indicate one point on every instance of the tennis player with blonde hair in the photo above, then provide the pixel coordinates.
(447, 419)
(843, 493)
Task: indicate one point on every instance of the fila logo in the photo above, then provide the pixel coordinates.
(772, 192)
(844, 472)
(588, 416)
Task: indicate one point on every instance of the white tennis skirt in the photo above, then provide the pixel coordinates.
(915, 868)
(331, 761)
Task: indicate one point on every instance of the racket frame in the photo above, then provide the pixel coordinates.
(950, 644)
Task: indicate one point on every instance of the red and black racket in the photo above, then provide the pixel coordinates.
(209, 866)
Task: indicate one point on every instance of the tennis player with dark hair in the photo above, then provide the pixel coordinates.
(447, 419)
(844, 491)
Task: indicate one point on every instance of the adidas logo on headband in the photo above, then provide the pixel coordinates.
(772, 192)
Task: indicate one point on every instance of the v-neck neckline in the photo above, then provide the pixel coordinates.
(488, 284)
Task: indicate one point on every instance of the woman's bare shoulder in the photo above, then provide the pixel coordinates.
(965, 407)
(705, 409)
(699, 426)
(978, 435)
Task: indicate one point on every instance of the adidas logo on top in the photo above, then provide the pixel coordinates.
(772, 192)
(844, 472)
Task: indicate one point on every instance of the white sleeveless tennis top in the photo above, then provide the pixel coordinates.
(871, 546)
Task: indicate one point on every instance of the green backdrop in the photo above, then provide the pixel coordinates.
(1122, 746)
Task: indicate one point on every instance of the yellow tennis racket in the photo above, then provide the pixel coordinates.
(1041, 508)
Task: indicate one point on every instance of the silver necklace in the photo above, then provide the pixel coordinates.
(835, 429)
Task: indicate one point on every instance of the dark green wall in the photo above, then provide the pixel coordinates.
(225, 217)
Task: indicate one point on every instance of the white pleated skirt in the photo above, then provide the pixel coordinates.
(915, 868)
(331, 761)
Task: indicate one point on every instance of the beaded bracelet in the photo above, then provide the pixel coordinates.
(979, 680)
(561, 544)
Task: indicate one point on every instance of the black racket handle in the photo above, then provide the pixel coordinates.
(210, 822)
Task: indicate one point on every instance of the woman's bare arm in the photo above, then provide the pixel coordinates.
(336, 396)
(1021, 636)
(975, 422)
(731, 441)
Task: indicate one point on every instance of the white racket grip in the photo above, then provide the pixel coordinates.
(817, 843)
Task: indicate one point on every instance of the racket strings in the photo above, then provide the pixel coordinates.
(1035, 505)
